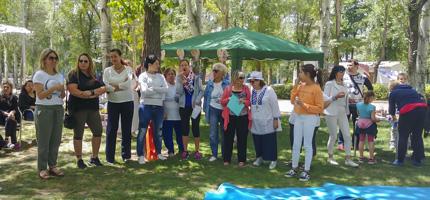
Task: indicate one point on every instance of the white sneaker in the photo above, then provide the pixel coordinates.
(212, 158)
(161, 157)
(10, 146)
(141, 160)
(331, 161)
(272, 165)
(258, 161)
(350, 163)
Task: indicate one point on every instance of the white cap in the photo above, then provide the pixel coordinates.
(256, 75)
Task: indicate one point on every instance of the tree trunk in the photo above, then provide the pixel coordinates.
(224, 7)
(423, 42)
(152, 40)
(26, 7)
(338, 21)
(325, 34)
(106, 32)
(384, 44)
(194, 16)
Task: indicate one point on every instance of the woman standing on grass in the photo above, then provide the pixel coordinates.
(265, 120)
(236, 124)
(83, 103)
(336, 114)
(172, 119)
(153, 89)
(49, 113)
(117, 79)
(308, 103)
(189, 89)
(213, 108)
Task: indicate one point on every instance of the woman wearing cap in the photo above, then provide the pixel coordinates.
(336, 114)
(236, 123)
(153, 88)
(117, 80)
(265, 120)
(213, 108)
(189, 89)
(49, 113)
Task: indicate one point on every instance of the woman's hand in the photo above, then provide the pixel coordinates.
(275, 124)
(340, 95)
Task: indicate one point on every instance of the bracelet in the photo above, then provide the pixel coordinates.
(92, 93)
(276, 118)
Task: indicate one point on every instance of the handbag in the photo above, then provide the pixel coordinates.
(69, 120)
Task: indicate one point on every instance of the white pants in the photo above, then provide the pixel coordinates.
(304, 127)
(333, 122)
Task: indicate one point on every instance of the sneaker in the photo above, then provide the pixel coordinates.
(362, 160)
(272, 165)
(96, 162)
(185, 155)
(304, 176)
(417, 163)
(161, 157)
(371, 161)
(340, 147)
(81, 164)
(17, 146)
(331, 161)
(171, 155)
(258, 161)
(350, 163)
(397, 163)
(197, 155)
(212, 158)
(291, 173)
(141, 160)
(10, 146)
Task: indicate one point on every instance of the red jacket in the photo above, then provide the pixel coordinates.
(226, 111)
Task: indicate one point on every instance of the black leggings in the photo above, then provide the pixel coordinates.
(238, 125)
(185, 114)
(10, 127)
(411, 123)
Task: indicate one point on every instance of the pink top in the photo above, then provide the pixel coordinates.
(226, 111)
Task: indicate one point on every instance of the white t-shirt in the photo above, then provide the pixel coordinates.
(49, 81)
(216, 96)
(171, 107)
(123, 79)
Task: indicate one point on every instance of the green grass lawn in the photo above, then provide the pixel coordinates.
(190, 179)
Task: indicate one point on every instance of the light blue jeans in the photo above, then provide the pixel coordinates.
(149, 113)
(215, 124)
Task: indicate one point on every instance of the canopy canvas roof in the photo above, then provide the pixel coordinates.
(243, 44)
(13, 29)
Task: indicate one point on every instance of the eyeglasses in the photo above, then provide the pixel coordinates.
(241, 77)
(53, 58)
(83, 61)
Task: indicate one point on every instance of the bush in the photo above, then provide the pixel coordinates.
(381, 91)
(427, 91)
(283, 91)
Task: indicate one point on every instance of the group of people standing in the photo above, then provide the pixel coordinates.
(173, 100)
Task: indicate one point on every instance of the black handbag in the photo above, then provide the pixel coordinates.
(69, 120)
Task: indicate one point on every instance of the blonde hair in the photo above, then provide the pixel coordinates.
(221, 67)
(44, 56)
(402, 74)
(236, 74)
(392, 84)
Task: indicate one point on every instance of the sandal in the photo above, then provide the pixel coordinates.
(44, 174)
(55, 172)
(241, 164)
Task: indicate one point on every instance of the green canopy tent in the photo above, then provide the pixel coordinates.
(243, 44)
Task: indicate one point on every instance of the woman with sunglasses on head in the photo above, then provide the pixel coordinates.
(236, 124)
(265, 120)
(336, 114)
(49, 113)
(189, 88)
(83, 103)
(153, 88)
(27, 100)
(117, 79)
(9, 114)
(213, 108)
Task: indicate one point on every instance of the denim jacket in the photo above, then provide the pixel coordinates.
(207, 95)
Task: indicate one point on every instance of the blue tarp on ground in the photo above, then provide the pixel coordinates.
(327, 191)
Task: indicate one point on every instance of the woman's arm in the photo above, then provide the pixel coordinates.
(42, 94)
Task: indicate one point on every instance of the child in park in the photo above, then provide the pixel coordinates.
(366, 126)
(402, 78)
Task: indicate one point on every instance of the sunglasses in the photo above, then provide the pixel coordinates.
(53, 58)
(83, 61)
(215, 71)
(241, 77)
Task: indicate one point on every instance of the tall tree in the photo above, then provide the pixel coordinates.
(25, 7)
(414, 7)
(152, 40)
(224, 8)
(384, 42)
(325, 32)
(336, 56)
(195, 15)
(106, 32)
(423, 44)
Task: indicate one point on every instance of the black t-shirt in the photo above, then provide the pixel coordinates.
(25, 101)
(84, 83)
(8, 104)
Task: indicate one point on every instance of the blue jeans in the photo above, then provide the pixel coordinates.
(146, 114)
(115, 110)
(168, 126)
(216, 123)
